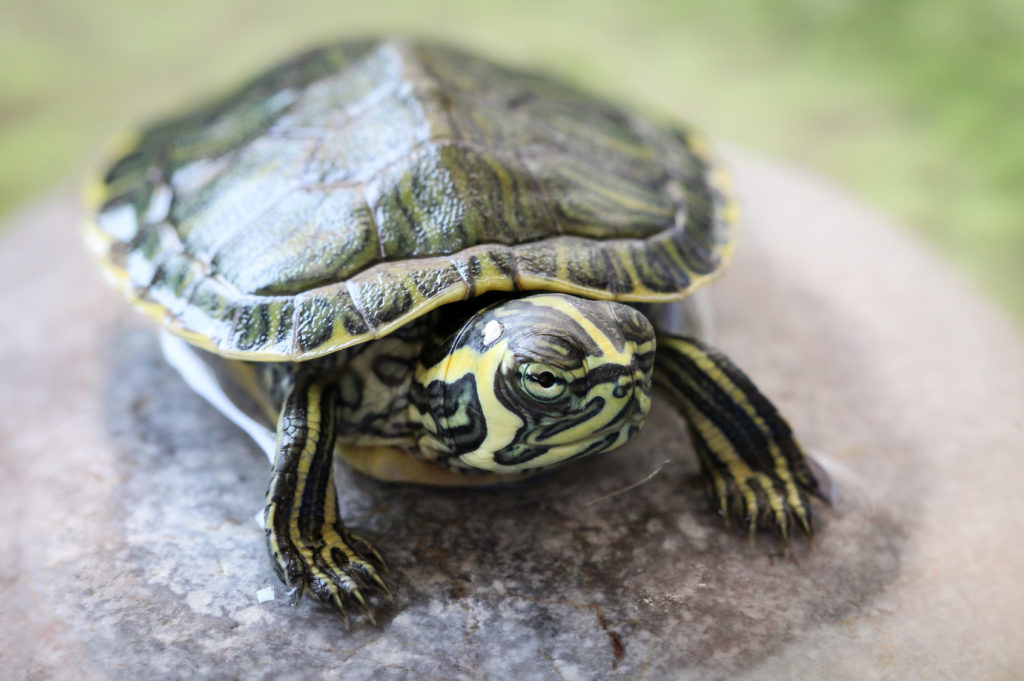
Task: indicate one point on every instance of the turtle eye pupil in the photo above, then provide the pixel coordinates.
(545, 379)
(541, 383)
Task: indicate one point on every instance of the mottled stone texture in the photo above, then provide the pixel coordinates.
(130, 548)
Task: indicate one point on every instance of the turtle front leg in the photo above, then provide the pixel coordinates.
(309, 545)
(754, 467)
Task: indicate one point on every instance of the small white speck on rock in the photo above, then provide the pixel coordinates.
(265, 594)
(436, 608)
(692, 529)
(568, 671)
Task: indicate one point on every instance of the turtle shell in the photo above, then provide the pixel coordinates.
(356, 187)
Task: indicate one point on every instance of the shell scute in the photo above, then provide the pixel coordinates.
(310, 238)
(264, 324)
(258, 178)
(450, 198)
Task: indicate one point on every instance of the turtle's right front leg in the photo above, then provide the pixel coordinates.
(309, 545)
(746, 449)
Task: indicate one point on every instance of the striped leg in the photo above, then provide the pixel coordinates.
(308, 544)
(754, 466)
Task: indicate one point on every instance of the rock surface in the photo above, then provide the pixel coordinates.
(129, 548)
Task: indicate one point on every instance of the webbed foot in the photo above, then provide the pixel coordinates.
(758, 500)
(339, 568)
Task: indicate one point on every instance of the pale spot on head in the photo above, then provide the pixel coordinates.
(492, 331)
(159, 204)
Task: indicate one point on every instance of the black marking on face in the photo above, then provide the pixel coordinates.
(450, 403)
(589, 411)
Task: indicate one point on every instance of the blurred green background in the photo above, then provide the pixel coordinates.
(916, 105)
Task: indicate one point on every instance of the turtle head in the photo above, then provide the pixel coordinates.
(531, 382)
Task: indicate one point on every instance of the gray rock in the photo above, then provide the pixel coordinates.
(131, 549)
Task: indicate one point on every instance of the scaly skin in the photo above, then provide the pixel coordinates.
(309, 545)
(753, 465)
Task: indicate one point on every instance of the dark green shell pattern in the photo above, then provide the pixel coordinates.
(358, 186)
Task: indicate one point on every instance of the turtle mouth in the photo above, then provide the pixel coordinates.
(542, 457)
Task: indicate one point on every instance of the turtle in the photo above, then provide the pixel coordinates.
(442, 270)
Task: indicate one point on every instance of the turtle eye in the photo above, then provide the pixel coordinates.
(542, 382)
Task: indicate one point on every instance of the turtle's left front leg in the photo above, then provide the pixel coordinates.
(309, 545)
(747, 452)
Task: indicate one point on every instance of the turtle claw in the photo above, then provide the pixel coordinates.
(294, 596)
(379, 582)
(757, 501)
(334, 570)
(357, 595)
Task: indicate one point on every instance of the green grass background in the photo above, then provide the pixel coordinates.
(917, 105)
